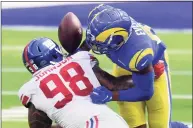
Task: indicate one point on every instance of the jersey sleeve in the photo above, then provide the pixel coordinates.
(25, 93)
(141, 59)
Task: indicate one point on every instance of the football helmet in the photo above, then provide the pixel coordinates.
(39, 53)
(108, 29)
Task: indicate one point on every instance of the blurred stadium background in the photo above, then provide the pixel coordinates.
(23, 21)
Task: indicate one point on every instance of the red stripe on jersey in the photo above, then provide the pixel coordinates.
(25, 100)
(21, 97)
(92, 57)
(97, 121)
(27, 59)
(87, 124)
(159, 69)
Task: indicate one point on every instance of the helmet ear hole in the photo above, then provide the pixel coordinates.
(118, 39)
(55, 56)
(39, 49)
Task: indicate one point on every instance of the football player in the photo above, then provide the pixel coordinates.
(136, 50)
(60, 88)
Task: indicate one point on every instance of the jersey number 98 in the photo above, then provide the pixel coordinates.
(58, 88)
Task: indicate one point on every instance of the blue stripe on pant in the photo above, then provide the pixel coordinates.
(91, 121)
(168, 77)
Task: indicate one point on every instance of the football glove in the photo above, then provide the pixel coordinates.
(101, 95)
(159, 69)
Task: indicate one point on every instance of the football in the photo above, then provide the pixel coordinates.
(70, 32)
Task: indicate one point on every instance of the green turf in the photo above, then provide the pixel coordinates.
(15, 125)
(17, 79)
(181, 84)
(177, 40)
(23, 37)
(9, 101)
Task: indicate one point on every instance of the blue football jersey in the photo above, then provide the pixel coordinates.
(142, 48)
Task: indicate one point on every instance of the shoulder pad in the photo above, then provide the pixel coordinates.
(86, 55)
(25, 93)
(118, 71)
(81, 55)
(141, 59)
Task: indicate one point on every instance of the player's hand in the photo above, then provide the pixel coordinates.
(159, 69)
(101, 95)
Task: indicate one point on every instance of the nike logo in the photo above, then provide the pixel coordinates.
(144, 63)
(107, 97)
(95, 93)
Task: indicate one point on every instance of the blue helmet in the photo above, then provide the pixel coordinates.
(39, 53)
(108, 29)
(96, 10)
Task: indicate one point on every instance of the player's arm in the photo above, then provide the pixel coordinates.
(111, 82)
(143, 89)
(143, 79)
(142, 76)
(37, 118)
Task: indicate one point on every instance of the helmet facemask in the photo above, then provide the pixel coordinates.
(112, 43)
(61, 51)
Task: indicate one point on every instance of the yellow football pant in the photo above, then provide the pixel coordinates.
(158, 107)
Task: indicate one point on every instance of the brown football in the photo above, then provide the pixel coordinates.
(70, 32)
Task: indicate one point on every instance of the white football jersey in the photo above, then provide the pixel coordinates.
(63, 90)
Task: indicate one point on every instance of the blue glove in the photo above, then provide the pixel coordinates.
(179, 125)
(101, 95)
